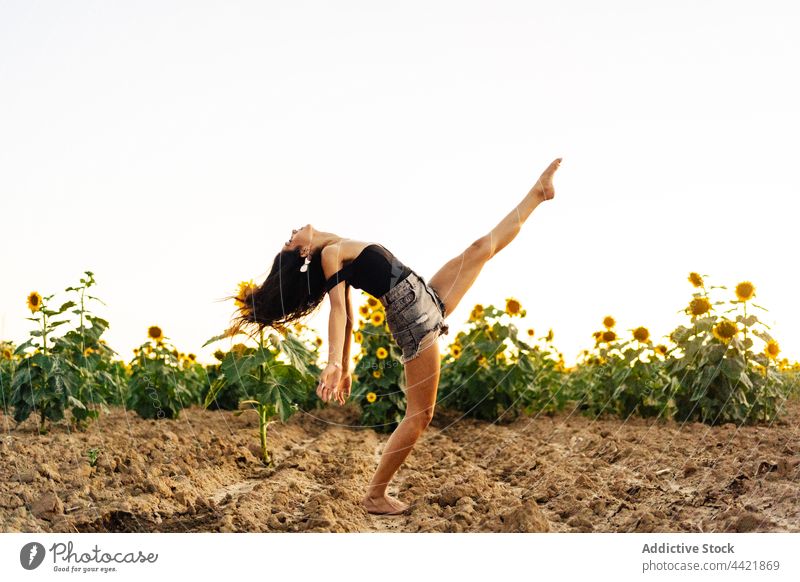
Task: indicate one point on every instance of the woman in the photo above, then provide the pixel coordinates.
(314, 263)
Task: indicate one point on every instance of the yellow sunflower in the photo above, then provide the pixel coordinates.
(476, 313)
(609, 336)
(695, 279)
(482, 361)
(455, 350)
(88, 351)
(372, 301)
(512, 306)
(7, 353)
(772, 349)
(725, 330)
(364, 310)
(155, 332)
(641, 334)
(318, 341)
(34, 301)
(500, 358)
(745, 291)
(371, 397)
(245, 288)
(376, 373)
(699, 306)
(661, 349)
(239, 349)
(359, 337)
(377, 318)
(381, 353)
(192, 357)
(530, 331)
(220, 355)
(609, 322)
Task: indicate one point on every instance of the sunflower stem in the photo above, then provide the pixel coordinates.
(745, 336)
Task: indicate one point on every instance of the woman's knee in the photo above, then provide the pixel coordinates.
(420, 419)
(481, 249)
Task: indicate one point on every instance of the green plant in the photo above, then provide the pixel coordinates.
(378, 378)
(8, 366)
(156, 388)
(720, 379)
(491, 373)
(272, 386)
(45, 382)
(93, 454)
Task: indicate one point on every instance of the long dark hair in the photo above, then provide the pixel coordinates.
(286, 295)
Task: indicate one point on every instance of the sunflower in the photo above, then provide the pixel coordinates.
(772, 349)
(155, 333)
(364, 310)
(371, 397)
(482, 361)
(641, 334)
(455, 350)
(725, 330)
(372, 301)
(135, 351)
(239, 349)
(549, 336)
(530, 331)
(695, 279)
(34, 301)
(377, 318)
(609, 336)
(359, 337)
(745, 291)
(7, 353)
(512, 306)
(192, 357)
(88, 351)
(318, 341)
(220, 355)
(699, 306)
(381, 353)
(376, 373)
(500, 358)
(476, 313)
(245, 289)
(609, 322)
(661, 349)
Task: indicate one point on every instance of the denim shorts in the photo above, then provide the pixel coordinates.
(415, 315)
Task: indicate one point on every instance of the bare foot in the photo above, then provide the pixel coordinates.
(383, 505)
(544, 185)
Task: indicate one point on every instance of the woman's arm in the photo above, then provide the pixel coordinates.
(348, 330)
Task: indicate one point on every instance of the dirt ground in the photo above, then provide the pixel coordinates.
(565, 473)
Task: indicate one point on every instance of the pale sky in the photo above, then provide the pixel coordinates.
(170, 147)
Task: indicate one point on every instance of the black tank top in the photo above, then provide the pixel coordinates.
(375, 270)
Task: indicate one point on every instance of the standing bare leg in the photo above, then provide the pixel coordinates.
(455, 278)
(422, 380)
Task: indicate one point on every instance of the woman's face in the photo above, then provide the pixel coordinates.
(300, 237)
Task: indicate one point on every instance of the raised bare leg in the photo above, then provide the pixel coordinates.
(455, 278)
(422, 383)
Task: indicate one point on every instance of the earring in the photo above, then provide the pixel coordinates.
(304, 266)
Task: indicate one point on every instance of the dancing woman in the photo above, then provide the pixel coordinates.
(314, 263)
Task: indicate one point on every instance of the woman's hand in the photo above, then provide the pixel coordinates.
(328, 386)
(345, 384)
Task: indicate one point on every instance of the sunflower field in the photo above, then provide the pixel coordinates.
(721, 365)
